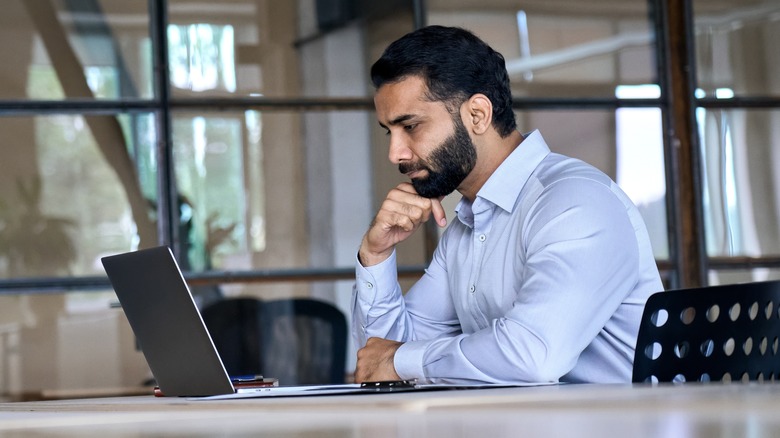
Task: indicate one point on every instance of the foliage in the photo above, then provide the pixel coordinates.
(31, 242)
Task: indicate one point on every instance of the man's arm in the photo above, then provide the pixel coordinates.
(378, 307)
(581, 262)
(381, 312)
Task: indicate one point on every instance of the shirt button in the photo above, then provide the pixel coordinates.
(369, 285)
(472, 288)
(482, 237)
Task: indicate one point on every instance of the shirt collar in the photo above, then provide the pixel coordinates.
(504, 185)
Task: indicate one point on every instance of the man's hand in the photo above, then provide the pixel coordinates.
(375, 361)
(401, 213)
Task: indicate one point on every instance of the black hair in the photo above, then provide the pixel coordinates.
(455, 64)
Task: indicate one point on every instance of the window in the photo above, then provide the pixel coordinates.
(737, 116)
(242, 134)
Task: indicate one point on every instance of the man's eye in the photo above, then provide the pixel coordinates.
(410, 127)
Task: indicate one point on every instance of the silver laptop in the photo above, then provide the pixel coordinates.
(167, 324)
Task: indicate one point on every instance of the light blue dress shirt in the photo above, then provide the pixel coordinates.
(542, 279)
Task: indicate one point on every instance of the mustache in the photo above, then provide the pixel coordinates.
(411, 167)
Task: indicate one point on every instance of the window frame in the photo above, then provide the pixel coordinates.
(673, 25)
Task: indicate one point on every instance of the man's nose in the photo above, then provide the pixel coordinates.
(399, 150)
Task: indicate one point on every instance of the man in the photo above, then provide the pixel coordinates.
(543, 274)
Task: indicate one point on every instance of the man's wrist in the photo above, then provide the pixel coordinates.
(367, 258)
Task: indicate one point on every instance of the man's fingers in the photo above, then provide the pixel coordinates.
(433, 205)
(397, 214)
(401, 213)
(407, 187)
(438, 212)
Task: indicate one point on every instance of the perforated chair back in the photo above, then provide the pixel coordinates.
(718, 333)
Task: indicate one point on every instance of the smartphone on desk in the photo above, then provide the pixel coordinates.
(253, 382)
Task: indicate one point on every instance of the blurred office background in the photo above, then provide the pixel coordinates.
(242, 134)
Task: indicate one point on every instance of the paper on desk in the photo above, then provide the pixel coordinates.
(288, 391)
(346, 388)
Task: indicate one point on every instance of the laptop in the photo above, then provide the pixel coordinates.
(168, 326)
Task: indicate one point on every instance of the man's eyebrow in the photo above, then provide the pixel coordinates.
(400, 119)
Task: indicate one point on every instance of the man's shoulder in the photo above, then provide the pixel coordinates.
(557, 167)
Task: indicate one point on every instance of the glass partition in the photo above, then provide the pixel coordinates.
(740, 181)
(736, 48)
(561, 48)
(74, 188)
(287, 183)
(250, 48)
(55, 50)
(733, 276)
(54, 346)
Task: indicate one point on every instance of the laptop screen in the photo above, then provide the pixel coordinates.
(163, 315)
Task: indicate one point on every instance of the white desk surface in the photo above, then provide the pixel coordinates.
(691, 410)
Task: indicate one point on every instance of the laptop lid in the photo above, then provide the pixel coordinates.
(167, 324)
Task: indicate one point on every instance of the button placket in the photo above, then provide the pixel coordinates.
(482, 224)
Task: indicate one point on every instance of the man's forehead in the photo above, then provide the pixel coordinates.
(405, 97)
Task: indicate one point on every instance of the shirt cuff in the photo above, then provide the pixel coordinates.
(408, 361)
(379, 277)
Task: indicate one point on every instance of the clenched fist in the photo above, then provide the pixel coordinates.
(401, 213)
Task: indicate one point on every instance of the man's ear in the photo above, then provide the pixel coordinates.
(478, 113)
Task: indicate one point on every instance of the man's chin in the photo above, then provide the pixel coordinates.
(427, 191)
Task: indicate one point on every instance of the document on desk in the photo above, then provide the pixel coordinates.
(351, 388)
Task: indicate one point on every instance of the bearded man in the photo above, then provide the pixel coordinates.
(543, 274)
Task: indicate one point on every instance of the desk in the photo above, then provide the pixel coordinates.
(546, 411)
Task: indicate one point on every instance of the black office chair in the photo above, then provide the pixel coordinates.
(719, 333)
(298, 341)
(234, 326)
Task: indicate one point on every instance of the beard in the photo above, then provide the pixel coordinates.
(447, 166)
